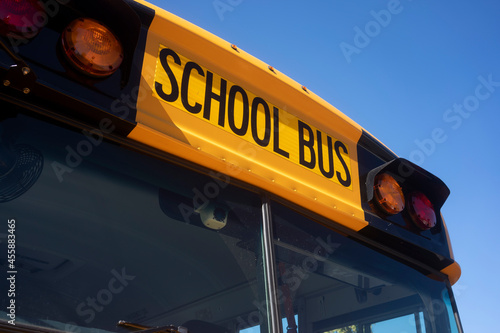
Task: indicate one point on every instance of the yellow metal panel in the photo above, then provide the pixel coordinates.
(185, 84)
(178, 125)
(453, 271)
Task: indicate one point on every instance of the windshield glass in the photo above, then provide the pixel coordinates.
(104, 234)
(95, 233)
(331, 283)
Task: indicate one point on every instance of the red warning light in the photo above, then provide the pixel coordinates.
(21, 18)
(422, 211)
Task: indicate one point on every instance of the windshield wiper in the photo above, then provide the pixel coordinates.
(26, 328)
(147, 329)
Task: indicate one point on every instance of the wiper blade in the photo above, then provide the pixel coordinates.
(147, 329)
(25, 328)
(128, 324)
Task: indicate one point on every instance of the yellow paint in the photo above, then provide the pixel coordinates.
(453, 271)
(194, 89)
(169, 127)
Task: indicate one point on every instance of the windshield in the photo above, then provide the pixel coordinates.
(331, 283)
(112, 235)
(102, 234)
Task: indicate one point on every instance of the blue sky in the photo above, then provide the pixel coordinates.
(422, 76)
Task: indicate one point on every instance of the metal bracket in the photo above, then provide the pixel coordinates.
(19, 76)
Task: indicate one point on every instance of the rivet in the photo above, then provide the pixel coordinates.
(305, 89)
(26, 90)
(26, 70)
(6, 83)
(234, 47)
(271, 68)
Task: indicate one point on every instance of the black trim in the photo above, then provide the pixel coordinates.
(67, 109)
(396, 238)
(144, 13)
(371, 144)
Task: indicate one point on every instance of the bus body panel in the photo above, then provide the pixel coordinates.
(195, 139)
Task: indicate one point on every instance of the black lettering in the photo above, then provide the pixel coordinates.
(267, 116)
(329, 173)
(309, 143)
(347, 181)
(174, 94)
(245, 112)
(196, 108)
(276, 133)
(209, 95)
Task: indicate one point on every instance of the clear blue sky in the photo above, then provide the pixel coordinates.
(424, 80)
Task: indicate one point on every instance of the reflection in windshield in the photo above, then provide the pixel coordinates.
(337, 285)
(105, 234)
(122, 237)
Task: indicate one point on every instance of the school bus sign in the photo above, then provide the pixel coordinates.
(192, 88)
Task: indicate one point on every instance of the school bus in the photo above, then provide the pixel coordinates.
(155, 178)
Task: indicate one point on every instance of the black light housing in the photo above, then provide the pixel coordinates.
(424, 191)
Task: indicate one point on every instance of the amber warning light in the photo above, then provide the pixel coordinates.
(92, 48)
(389, 194)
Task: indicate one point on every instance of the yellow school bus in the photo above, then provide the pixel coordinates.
(155, 178)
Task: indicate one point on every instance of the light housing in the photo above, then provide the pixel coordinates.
(421, 211)
(388, 194)
(21, 18)
(402, 193)
(91, 47)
